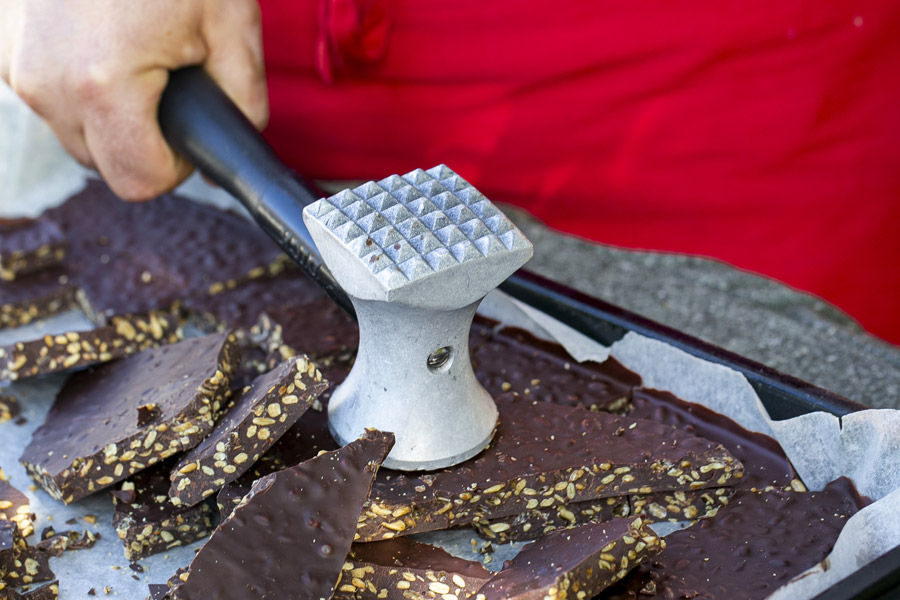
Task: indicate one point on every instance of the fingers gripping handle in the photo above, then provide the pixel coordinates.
(202, 123)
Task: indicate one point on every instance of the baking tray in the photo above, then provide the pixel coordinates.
(783, 396)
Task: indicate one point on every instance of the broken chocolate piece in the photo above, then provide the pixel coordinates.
(148, 523)
(306, 439)
(91, 437)
(57, 543)
(16, 507)
(158, 591)
(257, 420)
(514, 360)
(765, 463)
(748, 550)
(46, 592)
(28, 245)
(288, 310)
(401, 568)
(10, 540)
(546, 455)
(291, 532)
(533, 524)
(579, 562)
(124, 336)
(36, 296)
(131, 258)
(9, 408)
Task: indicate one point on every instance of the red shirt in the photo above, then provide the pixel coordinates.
(765, 134)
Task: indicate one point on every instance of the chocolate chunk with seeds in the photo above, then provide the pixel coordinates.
(514, 360)
(257, 420)
(45, 592)
(130, 258)
(546, 455)
(149, 523)
(765, 463)
(158, 591)
(306, 439)
(402, 568)
(56, 544)
(29, 245)
(577, 562)
(291, 532)
(10, 541)
(16, 507)
(124, 336)
(92, 438)
(533, 524)
(9, 408)
(36, 296)
(748, 550)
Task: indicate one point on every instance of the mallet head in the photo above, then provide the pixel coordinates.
(416, 254)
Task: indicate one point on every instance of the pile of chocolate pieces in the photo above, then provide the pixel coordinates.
(224, 436)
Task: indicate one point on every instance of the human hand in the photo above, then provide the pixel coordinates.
(95, 71)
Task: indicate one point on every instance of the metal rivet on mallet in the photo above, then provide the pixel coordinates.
(416, 254)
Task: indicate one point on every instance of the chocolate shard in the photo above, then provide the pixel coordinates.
(748, 550)
(57, 543)
(514, 360)
(307, 438)
(765, 467)
(257, 420)
(158, 591)
(36, 296)
(148, 523)
(45, 592)
(291, 532)
(29, 245)
(401, 568)
(16, 507)
(579, 562)
(765, 463)
(124, 336)
(533, 524)
(132, 258)
(9, 408)
(10, 541)
(92, 438)
(547, 455)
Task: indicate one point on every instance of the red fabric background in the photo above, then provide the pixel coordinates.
(765, 134)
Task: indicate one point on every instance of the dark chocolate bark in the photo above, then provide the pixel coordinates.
(291, 532)
(513, 360)
(533, 524)
(130, 258)
(124, 336)
(10, 538)
(29, 245)
(748, 550)
(765, 463)
(147, 522)
(546, 455)
(16, 507)
(257, 420)
(579, 562)
(9, 408)
(118, 419)
(307, 438)
(401, 568)
(36, 296)
(46, 592)
(674, 506)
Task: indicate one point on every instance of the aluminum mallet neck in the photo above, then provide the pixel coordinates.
(416, 254)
